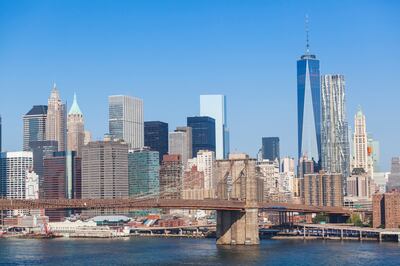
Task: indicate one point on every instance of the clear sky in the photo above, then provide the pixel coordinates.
(170, 52)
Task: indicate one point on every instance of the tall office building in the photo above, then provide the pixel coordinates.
(126, 120)
(203, 133)
(75, 128)
(270, 148)
(105, 170)
(34, 125)
(56, 127)
(143, 172)
(309, 106)
(171, 174)
(394, 176)
(360, 143)
(40, 150)
(0, 136)
(335, 139)
(205, 163)
(180, 142)
(215, 106)
(14, 167)
(62, 179)
(156, 137)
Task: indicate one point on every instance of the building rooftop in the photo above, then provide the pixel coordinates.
(75, 110)
(38, 110)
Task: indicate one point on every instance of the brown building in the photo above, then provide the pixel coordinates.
(193, 184)
(171, 176)
(105, 170)
(323, 189)
(61, 180)
(386, 210)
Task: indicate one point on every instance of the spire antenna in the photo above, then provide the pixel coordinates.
(307, 36)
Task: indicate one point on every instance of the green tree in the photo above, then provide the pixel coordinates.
(320, 217)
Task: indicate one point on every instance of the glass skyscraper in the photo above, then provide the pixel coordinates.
(34, 125)
(156, 137)
(203, 133)
(334, 131)
(270, 148)
(309, 107)
(143, 172)
(215, 106)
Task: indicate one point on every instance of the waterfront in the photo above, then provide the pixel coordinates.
(175, 251)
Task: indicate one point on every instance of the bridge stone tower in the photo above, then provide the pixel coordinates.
(237, 180)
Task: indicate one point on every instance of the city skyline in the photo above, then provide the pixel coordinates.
(245, 135)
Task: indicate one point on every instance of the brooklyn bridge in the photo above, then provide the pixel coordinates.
(237, 204)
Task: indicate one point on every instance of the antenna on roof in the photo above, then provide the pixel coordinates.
(307, 37)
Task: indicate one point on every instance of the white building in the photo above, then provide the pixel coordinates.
(215, 106)
(126, 120)
(360, 144)
(14, 167)
(205, 164)
(31, 185)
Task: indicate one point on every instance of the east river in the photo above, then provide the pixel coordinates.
(174, 251)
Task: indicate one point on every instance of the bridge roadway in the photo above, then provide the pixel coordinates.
(132, 203)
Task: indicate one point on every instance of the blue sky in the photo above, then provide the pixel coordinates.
(170, 52)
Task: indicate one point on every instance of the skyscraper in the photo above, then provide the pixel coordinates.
(180, 142)
(335, 139)
(0, 136)
(75, 128)
(156, 137)
(56, 120)
(40, 150)
(14, 167)
(34, 125)
(215, 106)
(394, 176)
(203, 133)
(360, 143)
(143, 172)
(309, 106)
(105, 170)
(205, 163)
(270, 148)
(126, 120)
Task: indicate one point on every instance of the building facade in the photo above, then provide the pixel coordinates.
(205, 161)
(34, 125)
(270, 148)
(203, 133)
(75, 128)
(171, 175)
(360, 143)
(14, 169)
(180, 142)
(386, 210)
(126, 120)
(335, 139)
(143, 172)
(394, 176)
(56, 126)
(41, 150)
(215, 106)
(323, 189)
(105, 170)
(309, 107)
(156, 137)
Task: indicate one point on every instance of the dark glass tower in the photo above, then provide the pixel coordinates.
(309, 107)
(156, 137)
(270, 148)
(203, 133)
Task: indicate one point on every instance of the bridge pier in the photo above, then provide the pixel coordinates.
(238, 227)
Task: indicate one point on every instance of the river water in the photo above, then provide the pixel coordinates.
(176, 251)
